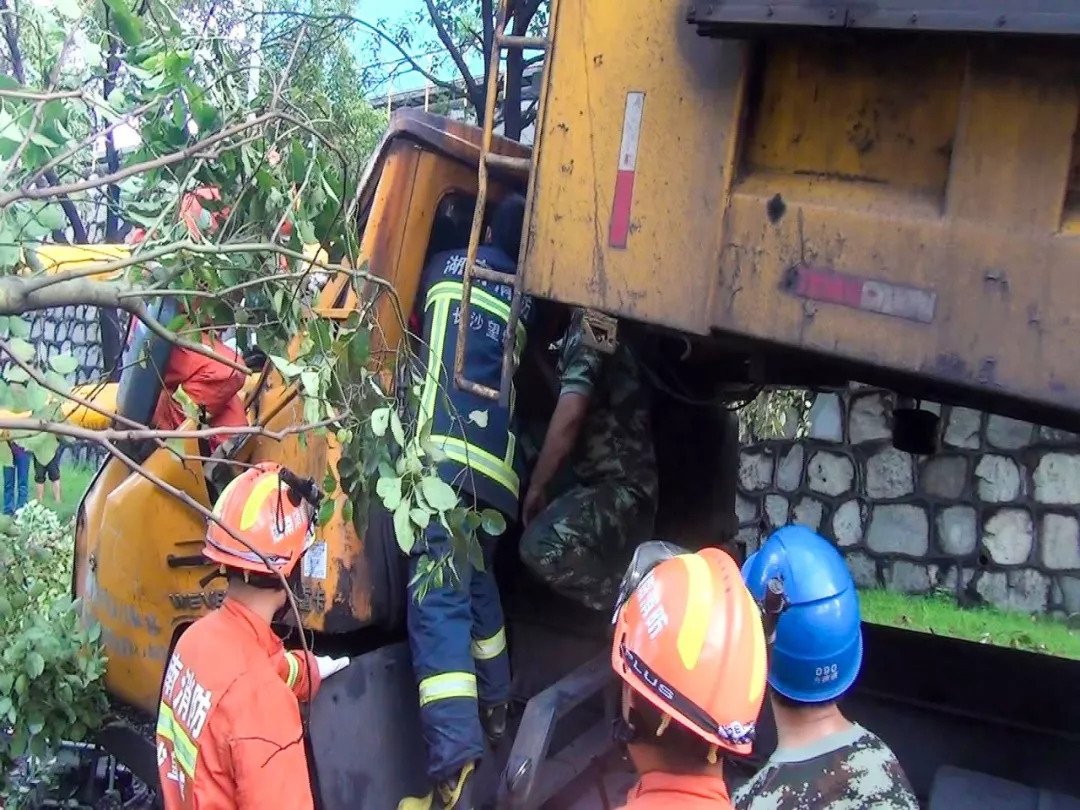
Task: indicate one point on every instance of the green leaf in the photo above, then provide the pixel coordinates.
(492, 522)
(479, 418)
(421, 517)
(403, 529)
(288, 370)
(17, 327)
(360, 347)
(128, 25)
(347, 511)
(39, 138)
(326, 511)
(36, 396)
(50, 216)
(14, 374)
(22, 350)
(389, 490)
(329, 483)
(396, 428)
(306, 232)
(380, 421)
(439, 495)
(94, 633)
(72, 10)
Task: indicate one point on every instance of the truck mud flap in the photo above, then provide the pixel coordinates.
(366, 743)
(132, 747)
(533, 774)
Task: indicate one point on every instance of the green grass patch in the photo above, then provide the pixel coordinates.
(939, 614)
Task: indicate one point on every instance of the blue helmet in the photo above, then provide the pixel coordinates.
(818, 648)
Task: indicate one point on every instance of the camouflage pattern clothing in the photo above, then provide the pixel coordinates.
(581, 543)
(850, 770)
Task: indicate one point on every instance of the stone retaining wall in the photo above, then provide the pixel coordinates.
(73, 330)
(992, 517)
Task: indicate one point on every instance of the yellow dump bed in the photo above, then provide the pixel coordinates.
(897, 203)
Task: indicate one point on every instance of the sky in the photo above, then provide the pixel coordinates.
(388, 57)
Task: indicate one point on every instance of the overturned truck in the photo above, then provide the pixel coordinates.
(758, 194)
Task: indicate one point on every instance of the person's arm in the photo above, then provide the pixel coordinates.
(580, 369)
(267, 750)
(299, 675)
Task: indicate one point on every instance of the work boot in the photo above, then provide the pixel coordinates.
(454, 794)
(457, 794)
(493, 718)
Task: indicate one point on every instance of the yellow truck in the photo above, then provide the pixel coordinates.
(781, 192)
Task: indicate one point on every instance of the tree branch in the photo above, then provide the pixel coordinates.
(16, 427)
(412, 60)
(138, 168)
(473, 90)
(40, 379)
(11, 36)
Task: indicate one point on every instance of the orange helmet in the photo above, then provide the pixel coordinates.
(688, 638)
(262, 509)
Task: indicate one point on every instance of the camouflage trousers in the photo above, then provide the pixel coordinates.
(582, 542)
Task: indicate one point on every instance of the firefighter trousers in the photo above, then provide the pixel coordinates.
(459, 655)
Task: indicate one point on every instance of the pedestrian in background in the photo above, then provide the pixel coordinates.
(16, 479)
(50, 471)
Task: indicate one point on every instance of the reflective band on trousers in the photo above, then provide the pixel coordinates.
(185, 751)
(446, 686)
(294, 670)
(484, 649)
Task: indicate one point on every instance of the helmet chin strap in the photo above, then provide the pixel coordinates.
(624, 732)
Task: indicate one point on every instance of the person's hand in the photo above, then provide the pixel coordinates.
(328, 666)
(533, 505)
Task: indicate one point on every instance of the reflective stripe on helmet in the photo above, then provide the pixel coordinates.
(735, 733)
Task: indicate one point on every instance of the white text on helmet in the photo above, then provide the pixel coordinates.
(652, 611)
(290, 521)
(651, 678)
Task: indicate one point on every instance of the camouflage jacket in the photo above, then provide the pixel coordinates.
(851, 770)
(616, 440)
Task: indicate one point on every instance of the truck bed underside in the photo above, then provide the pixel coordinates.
(908, 203)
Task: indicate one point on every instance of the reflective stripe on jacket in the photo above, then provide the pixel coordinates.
(228, 731)
(477, 436)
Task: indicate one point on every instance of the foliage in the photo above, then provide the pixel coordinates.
(775, 414)
(456, 37)
(282, 183)
(51, 667)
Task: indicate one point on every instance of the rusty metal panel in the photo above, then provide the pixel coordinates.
(969, 16)
(883, 111)
(971, 283)
(627, 196)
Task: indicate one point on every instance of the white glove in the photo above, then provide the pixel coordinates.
(328, 666)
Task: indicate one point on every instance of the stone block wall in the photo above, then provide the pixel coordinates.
(992, 517)
(73, 330)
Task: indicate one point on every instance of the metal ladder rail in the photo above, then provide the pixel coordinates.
(487, 160)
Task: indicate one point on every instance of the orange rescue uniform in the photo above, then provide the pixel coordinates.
(667, 791)
(229, 735)
(210, 384)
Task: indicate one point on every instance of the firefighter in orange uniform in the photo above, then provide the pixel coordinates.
(690, 649)
(229, 733)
